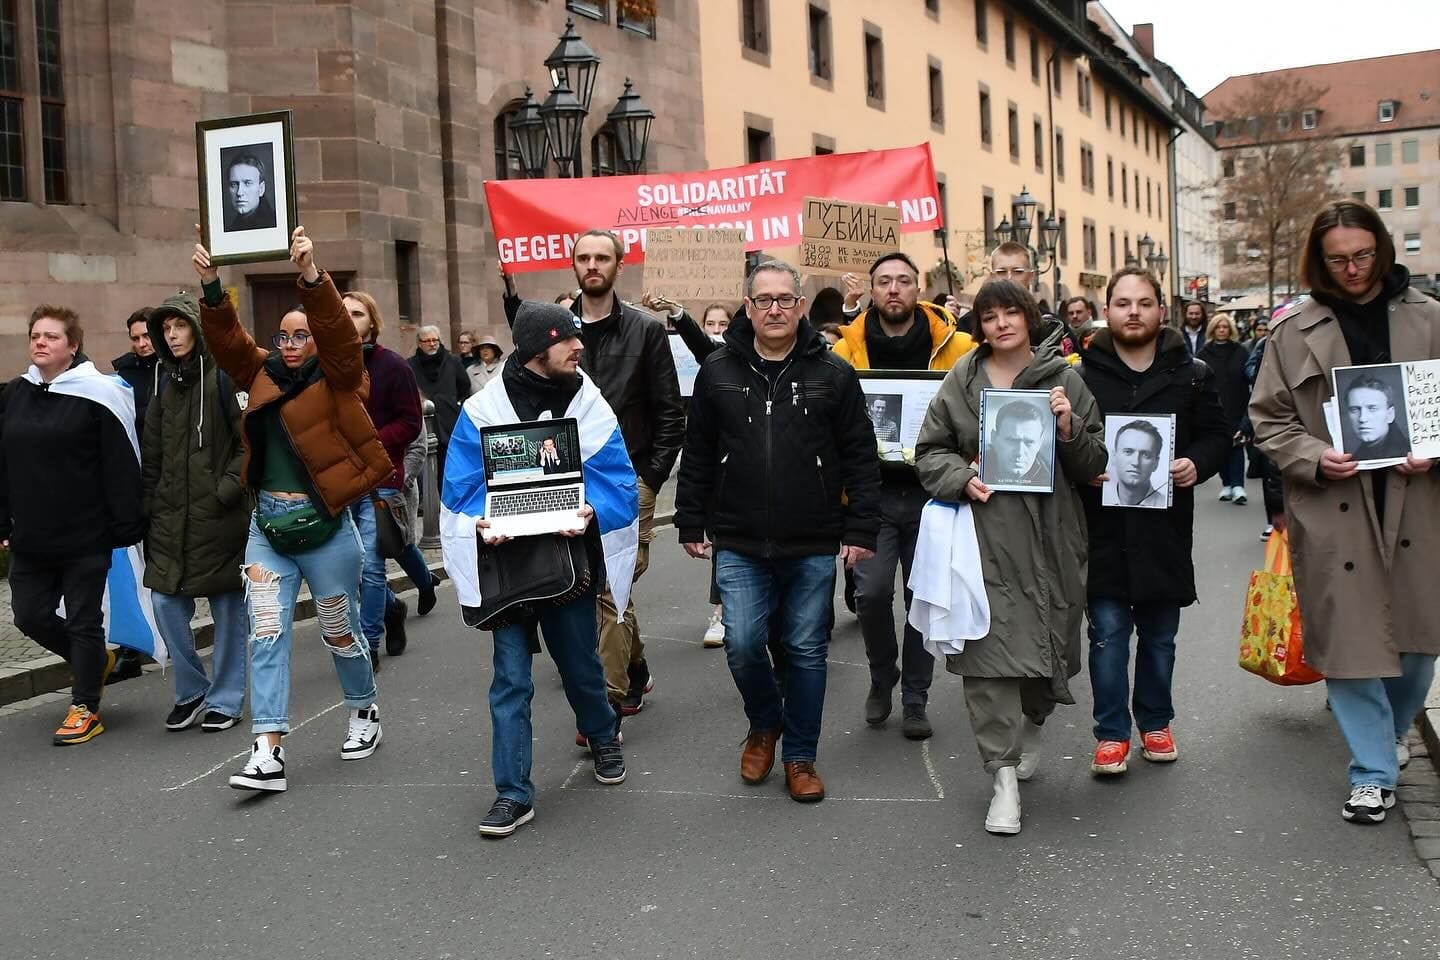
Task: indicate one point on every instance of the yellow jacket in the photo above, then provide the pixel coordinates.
(947, 343)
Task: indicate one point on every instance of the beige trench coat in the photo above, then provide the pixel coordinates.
(1367, 593)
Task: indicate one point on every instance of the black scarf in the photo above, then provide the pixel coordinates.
(909, 351)
(291, 382)
(531, 394)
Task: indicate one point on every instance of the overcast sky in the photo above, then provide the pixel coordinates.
(1207, 42)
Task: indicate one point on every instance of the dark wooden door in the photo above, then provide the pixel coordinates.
(272, 297)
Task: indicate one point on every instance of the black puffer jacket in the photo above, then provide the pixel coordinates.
(628, 356)
(1144, 556)
(788, 472)
(190, 460)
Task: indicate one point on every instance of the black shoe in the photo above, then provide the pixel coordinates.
(641, 683)
(215, 721)
(183, 715)
(127, 666)
(609, 760)
(395, 639)
(427, 598)
(914, 724)
(505, 817)
(877, 705)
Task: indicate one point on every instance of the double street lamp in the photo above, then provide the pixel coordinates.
(1043, 258)
(1156, 263)
(541, 132)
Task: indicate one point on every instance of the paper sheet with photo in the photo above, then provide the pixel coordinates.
(897, 402)
(1141, 448)
(1332, 423)
(1376, 409)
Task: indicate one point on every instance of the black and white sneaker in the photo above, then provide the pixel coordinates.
(363, 735)
(183, 716)
(1368, 803)
(215, 721)
(609, 761)
(265, 770)
(505, 817)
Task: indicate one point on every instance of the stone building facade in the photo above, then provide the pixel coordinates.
(395, 107)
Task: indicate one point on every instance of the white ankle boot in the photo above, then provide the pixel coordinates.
(1004, 813)
(1029, 750)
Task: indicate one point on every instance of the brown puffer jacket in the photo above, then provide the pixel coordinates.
(333, 435)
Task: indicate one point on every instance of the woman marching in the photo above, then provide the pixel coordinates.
(1225, 356)
(190, 461)
(1032, 546)
(1363, 543)
(310, 452)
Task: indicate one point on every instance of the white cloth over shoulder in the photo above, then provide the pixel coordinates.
(950, 604)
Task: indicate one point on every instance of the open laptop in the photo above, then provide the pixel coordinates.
(533, 477)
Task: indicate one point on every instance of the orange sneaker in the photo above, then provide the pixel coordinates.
(80, 725)
(1158, 746)
(1111, 757)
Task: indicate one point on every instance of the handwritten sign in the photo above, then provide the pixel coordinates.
(1422, 403)
(840, 237)
(696, 266)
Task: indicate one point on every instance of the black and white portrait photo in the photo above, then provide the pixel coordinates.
(1374, 424)
(1140, 453)
(248, 170)
(885, 411)
(247, 187)
(1017, 451)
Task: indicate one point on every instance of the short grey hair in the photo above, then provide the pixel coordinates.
(773, 266)
(428, 328)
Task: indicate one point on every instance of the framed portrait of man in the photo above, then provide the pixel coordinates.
(1017, 441)
(1371, 408)
(1141, 448)
(247, 187)
(896, 401)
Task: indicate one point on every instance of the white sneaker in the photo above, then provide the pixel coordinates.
(363, 735)
(1226, 493)
(1003, 817)
(715, 632)
(1402, 752)
(265, 770)
(1029, 750)
(1240, 495)
(1367, 804)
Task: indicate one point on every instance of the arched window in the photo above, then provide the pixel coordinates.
(507, 156)
(602, 154)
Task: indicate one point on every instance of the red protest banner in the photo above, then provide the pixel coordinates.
(536, 221)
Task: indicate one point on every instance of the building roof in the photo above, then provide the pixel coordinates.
(1350, 105)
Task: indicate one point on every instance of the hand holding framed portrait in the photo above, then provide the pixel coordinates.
(247, 187)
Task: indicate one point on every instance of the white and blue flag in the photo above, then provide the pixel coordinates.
(129, 619)
(610, 486)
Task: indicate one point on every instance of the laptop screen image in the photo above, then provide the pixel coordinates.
(527, 452)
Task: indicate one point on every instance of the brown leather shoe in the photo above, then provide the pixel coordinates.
(758, 757)
(803, 782)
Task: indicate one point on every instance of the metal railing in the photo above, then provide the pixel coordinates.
(430, 483)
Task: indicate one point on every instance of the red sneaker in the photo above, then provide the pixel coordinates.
(1158, 746)
(1111, 757)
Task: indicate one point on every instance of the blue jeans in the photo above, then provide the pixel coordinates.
(226, 691)
(1111, 623)
(333, 572)
(1232, 470)
(412, 561)
(570, 636)
(1375, 712)
(801, 592)
(374, 588)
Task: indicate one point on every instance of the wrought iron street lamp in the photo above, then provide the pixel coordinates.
(530, 137)
(1146, 247)
(1050, 237)
(1005, 232)
(564, 116)
(1023, 207)
(1158, 263)
(572, 64)
(630, 120)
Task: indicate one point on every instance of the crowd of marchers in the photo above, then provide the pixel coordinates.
(779, 474)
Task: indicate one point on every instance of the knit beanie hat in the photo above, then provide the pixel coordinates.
(539, 326)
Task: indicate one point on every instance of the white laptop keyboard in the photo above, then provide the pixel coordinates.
(534, 501)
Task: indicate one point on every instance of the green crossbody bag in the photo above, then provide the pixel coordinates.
(298, 531)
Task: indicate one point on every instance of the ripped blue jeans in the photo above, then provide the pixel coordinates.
(332, 571)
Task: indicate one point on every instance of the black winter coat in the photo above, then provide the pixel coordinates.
(443, 381)
(1226, 360)
(628, 356)
(190, 459)
(784, 472)
(139, 372)
(1144, 556)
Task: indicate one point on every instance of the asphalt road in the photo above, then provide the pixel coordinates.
(133, 846)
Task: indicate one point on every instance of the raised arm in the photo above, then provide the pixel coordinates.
(336, 341)
(230, 343)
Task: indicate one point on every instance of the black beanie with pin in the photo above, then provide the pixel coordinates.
(539, 326)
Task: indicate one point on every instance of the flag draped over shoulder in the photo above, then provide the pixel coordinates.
(610, 486)
(129, 619)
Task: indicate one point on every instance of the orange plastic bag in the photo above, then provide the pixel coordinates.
(1271, 645)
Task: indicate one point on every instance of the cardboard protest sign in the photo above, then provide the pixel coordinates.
(689, 266)
(536, 221)
(840, 237)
